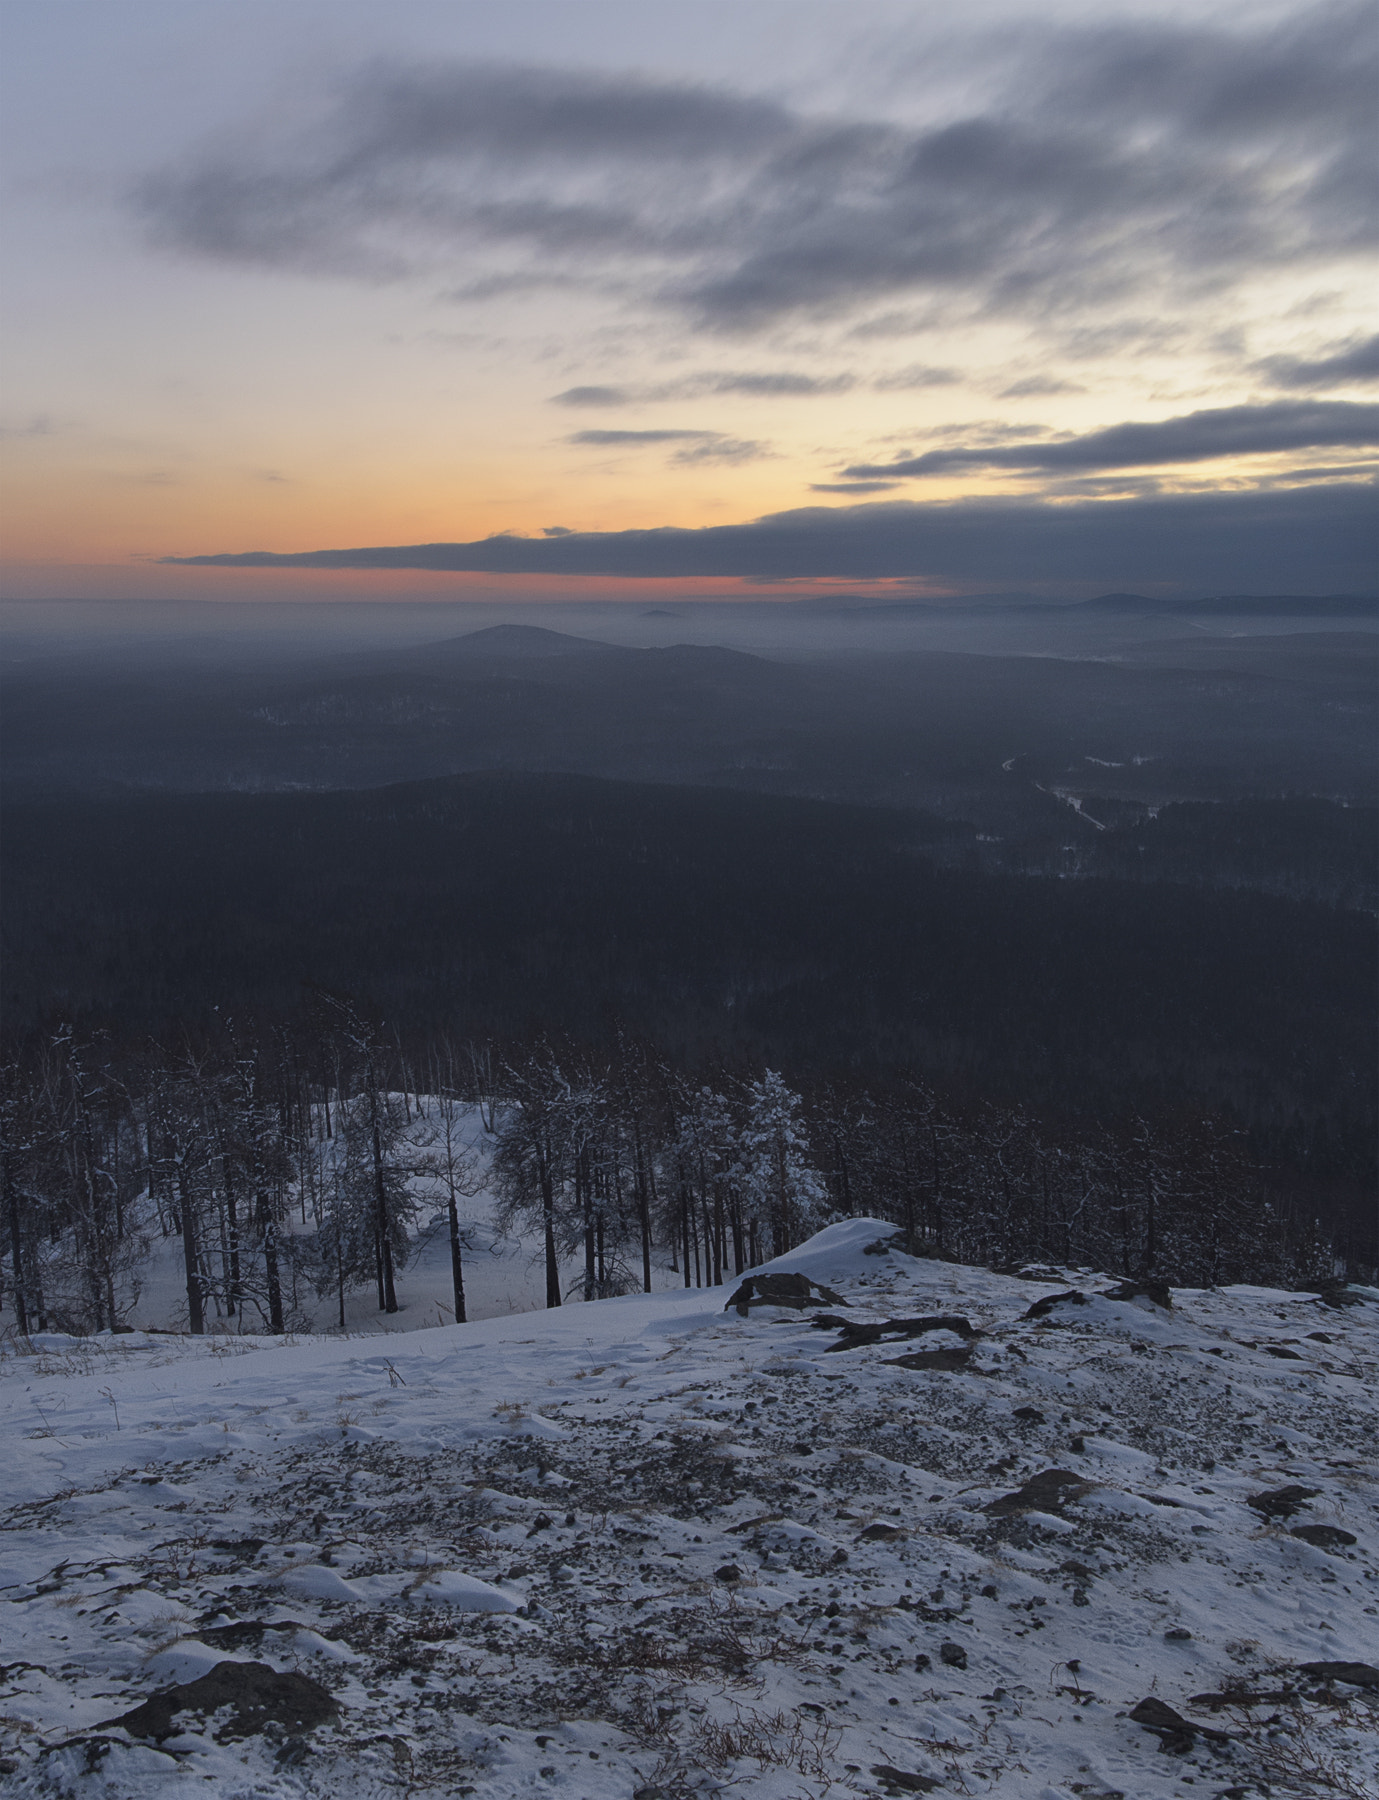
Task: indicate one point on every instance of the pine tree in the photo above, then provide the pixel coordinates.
(786, 1192)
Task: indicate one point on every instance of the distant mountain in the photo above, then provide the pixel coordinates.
(1255, 605)
(1305, 605)
(526, 642)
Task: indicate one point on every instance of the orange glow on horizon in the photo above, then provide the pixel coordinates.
(161, 581)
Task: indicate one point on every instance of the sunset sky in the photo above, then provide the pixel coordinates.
(1063, 298)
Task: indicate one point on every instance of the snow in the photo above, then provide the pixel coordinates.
(648, 1546)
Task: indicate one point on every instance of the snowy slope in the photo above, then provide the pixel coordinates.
(652, 1547)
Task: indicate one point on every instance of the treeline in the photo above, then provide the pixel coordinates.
(724, 927)
(1299, 846)
(302, 1159)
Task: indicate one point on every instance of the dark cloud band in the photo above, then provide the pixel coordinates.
(1306, 540)
(1288, 425)
(1352, 365)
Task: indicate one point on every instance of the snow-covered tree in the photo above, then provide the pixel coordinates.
(785, 1191)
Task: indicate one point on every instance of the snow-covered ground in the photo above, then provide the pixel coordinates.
(649, 1547)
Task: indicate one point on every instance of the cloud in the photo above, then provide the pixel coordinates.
(852, 487)
(1037, 386)
(715, 449)
(1124, 159)
(1353, 364)
(768, 383)
(1319, 539)
(700, 446)
(607, 439)
(1195, 437)
(918, 375)
(772, 384)
(40, 425)
(592, 396)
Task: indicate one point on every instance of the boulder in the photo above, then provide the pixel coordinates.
(1042, 1308)
(855, 1332)
(781, 1290)
(902, 1781)
(945, 1361)
(1357, 1674)
(257, 1695)
(1047, 1492)
(1281, 1503)
(1145, 1289)
(1323, 1537)
(1175, 1733)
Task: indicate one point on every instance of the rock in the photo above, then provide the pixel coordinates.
(260, 1696)
(1239, 1696)
(781, 1290)
(1047, 1491)
(1175, 1733)
(854, 1332)
(1324, 1537)
(884, 1246)
(881, 1534)
(1147, 1289)
(1281, 1503)
(1030, 1414)
(949, 1360)
(239, 1633)
(902, 1781)
(1357, 1674)
(1042, 1308)
(1335, 1292)
(952, 1654)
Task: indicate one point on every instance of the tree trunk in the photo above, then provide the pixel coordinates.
(548, 1226)
(456, 1263)
(644, 1216)
(196, 1315)
(268, 1226)
(387, 1293)
(21, 1309)
(584, 1202)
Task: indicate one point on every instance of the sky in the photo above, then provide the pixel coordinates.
(746, 297)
